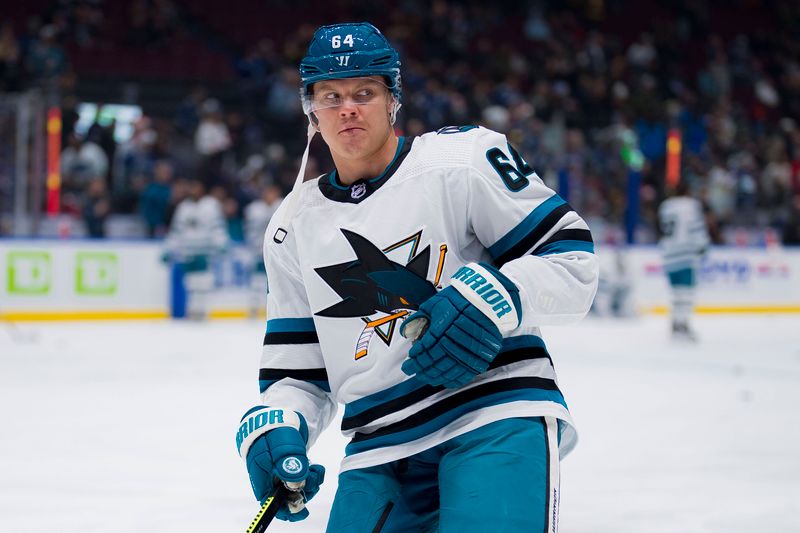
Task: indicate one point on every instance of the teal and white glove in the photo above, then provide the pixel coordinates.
(459, 331)
(272, 442)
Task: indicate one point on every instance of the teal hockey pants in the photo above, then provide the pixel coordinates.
(502, 477)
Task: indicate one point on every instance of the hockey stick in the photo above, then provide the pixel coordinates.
(269, 509)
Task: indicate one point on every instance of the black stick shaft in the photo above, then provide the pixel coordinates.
(269, 509)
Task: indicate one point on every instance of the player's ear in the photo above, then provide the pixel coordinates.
(393, 106)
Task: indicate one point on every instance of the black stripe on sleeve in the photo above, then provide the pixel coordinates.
(527, 242)
(302, 374)
(567, 235)
(451, 402)
(291, 337)
(520, 354)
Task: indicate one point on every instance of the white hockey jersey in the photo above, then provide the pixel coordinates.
(358, 260)
(685, 236)
(197, 228)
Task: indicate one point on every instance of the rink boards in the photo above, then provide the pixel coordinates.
(91, 280)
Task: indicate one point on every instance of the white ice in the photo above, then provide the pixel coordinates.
(129, 427)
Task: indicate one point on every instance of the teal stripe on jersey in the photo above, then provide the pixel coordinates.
(402, 437)
(522, 341)
(408, 386)
(528, 224)
(560, 247)
(290, 325)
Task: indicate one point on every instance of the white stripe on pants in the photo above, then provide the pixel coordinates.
(553, 473)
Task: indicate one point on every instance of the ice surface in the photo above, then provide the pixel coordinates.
(129, 427)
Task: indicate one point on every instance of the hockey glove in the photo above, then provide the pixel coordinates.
(273, 443)
(459, 331)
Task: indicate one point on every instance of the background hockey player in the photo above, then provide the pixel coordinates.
(449, 239)
(614, 289)
(683, 242)
(196, 235)
(257, 215)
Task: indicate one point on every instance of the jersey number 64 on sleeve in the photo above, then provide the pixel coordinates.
(513, 173)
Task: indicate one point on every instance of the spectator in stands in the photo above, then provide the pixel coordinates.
(776, 178)
(97, 208)
(212, 140)
(283, 106)
(103, 136)
(82, 161)
(46, 58)
(163, 21)
(151, 23)
(86, 23)
(9, 59)
(233, 219)
(187, 115)
(155, 200)
(138, 32)
(137, 155)
(791, 229)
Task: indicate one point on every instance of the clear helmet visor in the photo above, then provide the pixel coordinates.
(362, 91)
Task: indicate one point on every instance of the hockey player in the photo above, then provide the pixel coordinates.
(197, 233)
(449, 239)
(257, 215)
(684, 240)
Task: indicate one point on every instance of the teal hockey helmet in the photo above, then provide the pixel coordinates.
(351, 50)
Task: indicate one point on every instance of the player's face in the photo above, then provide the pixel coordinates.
(353, 115)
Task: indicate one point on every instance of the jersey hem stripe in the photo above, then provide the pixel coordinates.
(568, 437)
(446, 412)
(484, 393)
(405, 394)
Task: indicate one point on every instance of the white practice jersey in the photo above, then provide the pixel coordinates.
(684, 232)
(257, 215)
(197, 228)
(358, 260)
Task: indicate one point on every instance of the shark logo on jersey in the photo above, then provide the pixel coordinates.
(377, 289)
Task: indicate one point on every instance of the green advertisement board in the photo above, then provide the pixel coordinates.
(96, 273)
(29, 273)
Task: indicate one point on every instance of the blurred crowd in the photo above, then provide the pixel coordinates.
(577, 87)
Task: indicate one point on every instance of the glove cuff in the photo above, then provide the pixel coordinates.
(488, 289)
(262, 419)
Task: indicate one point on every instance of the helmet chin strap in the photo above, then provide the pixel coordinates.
(291, 200)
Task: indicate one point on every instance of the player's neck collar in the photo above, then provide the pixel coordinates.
(362, 189)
